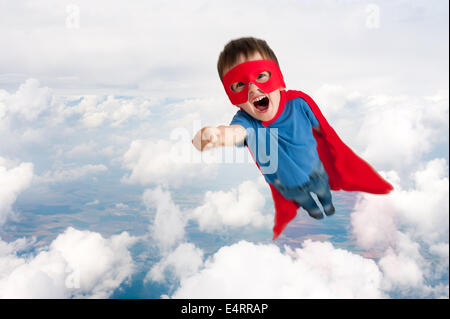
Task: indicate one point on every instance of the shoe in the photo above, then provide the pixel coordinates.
(316, 214)
(329, 210)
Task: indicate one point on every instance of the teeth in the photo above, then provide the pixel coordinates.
(258, 99)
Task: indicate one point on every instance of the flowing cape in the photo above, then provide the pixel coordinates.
(346, 170)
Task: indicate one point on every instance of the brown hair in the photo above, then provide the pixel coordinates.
(246, 46)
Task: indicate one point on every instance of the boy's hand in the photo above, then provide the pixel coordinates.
(207, 138)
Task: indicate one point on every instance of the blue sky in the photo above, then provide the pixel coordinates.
(98, 101)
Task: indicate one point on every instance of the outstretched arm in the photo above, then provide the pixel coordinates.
(209, 137)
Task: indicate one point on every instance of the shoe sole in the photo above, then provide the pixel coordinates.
(316, 216)
(330, 212)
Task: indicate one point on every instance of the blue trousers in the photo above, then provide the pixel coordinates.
(317, 184)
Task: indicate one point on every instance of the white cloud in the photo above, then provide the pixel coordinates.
(184, 261)
(238, 207)
(34, 116)
(77, 264)
(423, 210)
(441, 250)
(108, 56)
(318, 270)
(81, 150)
(374, 223)
(71, 174)
(166, 163)
(168, 223)
(8, 254)
(96, 109)
(211, 111)
(398, 131)
(390, 132)
(122, 206)
(403, 267)
(28, 102)
(94, 202)
(13, 180)
(333, 100)
(405, 226)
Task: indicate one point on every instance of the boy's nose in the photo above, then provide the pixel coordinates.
(252, 89)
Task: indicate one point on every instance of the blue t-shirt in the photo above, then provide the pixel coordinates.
(285, 150)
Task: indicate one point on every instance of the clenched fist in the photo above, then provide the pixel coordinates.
(207, 138)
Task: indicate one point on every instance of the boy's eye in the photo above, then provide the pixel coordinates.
(263, 77)
(237, 86)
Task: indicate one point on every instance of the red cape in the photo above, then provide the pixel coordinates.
(345, 169)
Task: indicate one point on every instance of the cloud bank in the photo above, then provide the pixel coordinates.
(13, 180)
(408, 229)
(317, 270)
(77, 264)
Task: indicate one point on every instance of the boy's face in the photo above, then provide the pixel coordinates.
(260, 105)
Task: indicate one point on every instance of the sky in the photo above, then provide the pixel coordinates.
(102, 194)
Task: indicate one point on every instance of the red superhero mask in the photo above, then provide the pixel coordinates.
(248, 72)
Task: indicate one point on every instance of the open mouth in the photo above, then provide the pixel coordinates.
(261, 103)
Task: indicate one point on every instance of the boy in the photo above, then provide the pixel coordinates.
(303, 139)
